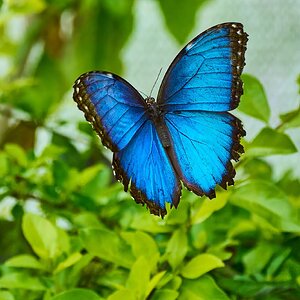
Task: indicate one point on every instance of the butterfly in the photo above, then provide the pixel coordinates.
(186, 135)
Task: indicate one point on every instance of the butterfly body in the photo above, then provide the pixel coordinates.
(157, 117)
(185, 136)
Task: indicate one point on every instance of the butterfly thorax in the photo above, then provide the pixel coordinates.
(152, 108)
(156, 115)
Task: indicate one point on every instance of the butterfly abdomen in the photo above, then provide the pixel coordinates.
(163, 134)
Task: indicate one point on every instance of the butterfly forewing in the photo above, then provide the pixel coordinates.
(205, 74)
(115, 109)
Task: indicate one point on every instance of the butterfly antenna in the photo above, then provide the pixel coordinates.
(143, 93)
(155, 82)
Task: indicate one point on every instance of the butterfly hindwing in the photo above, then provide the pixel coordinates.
(205, 74)
(115, 109)
(204, 143)
(145, 162)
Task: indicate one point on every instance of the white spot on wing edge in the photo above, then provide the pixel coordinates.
(189, 46)
(109, 75)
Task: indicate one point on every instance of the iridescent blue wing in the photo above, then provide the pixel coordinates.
(203, 145)
(205, 74)
(145, 162)
(200, 86)
(119, 115)
(115, 109)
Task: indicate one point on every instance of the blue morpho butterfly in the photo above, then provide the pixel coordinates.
(185, 135)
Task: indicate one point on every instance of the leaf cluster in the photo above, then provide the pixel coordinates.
(68, 230)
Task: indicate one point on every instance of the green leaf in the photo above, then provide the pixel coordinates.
(21, 281)
(165, 294)
(107, 245)
(143, 245)
(289, 183)
(17, 153)
(49, 85)
(278, 261)
(75, 272)
(174, 283)
(201, 289)
(117, 7)
(4, 168)
(180, 215)
(41, 235)
(154, 281)
(200, 265)
(146, 222)
(24, 261)
(254, 101)
(88, 174)
(290, 119)
(63, 241)
(71, 260)
(248, 288)
(258, 168)
(180, 16)
(270, 142)
(5, 295)
(114, 279)
(139, 278)
(27, 7)
(257, 258)
(221, 250)
(267, 201)
(87, 219)
(198, 236)
(205, 208)
(124, 294)
(166, 279)
(60, 171)
(103, 49)
(242, 227)
(177, 248)
(77, 294)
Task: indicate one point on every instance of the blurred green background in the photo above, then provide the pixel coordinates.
(67, 229)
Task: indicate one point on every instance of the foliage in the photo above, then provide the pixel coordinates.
(68, 231)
